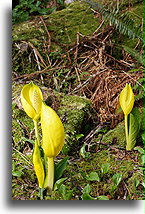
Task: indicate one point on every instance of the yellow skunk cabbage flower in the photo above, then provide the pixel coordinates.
(127, 99)
(31, 98)
(52, 131)
(38, 165)
(126, 102)
(52, 140)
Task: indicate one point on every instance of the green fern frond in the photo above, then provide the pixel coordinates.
(135, 54)
(121, 21)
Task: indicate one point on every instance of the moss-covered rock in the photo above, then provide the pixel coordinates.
(31, 36)
(76, 113)
(117, 134)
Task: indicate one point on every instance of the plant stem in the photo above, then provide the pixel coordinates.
(126, 132)
(50, 174)
(41, 193)
(36, 132)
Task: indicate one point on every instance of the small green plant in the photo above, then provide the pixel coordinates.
(86, 194)
(116, 180)
(27, 8)
(83, 152)
(58, 183)
(52, 138)
(15, 172)
(66, 193)
(141, 151)
(136, 182)
(105, 168)
(93, 176)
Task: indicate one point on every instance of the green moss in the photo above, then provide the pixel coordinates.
(20, 115)
(22, 126)
(74, 111)
(75, 108)
(26, 30)
(65, 24)
(117, 134)
(17, 131)
(136, 193)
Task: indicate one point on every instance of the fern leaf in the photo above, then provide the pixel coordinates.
(120, 21)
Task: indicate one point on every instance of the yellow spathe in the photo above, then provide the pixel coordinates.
(52, 131)
(38, 165)
(126, 99)
(31, 98)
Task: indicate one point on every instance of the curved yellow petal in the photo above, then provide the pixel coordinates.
(31, 98)
(52, 131)
(126, 99)
(38, 165)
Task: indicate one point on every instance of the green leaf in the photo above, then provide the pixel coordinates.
(58, 183)
(139, 149)
(28, 140)
(62, 189)
(105, 168)
(102, 197)
(133, 70)
(114, 187)
(44, 11)
(17, 173)
(134, 126)
(143, 137)
(86, 196)
(136, 182)
(87, 189)
(13, 106)
(93, 176)
(78, 136)
(67, 194)
(117, 178)
(143, 159)
(137, 116)
(121, 21)
(83, 152)
(60, 167)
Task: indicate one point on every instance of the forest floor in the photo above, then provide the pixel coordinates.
(81, 79)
